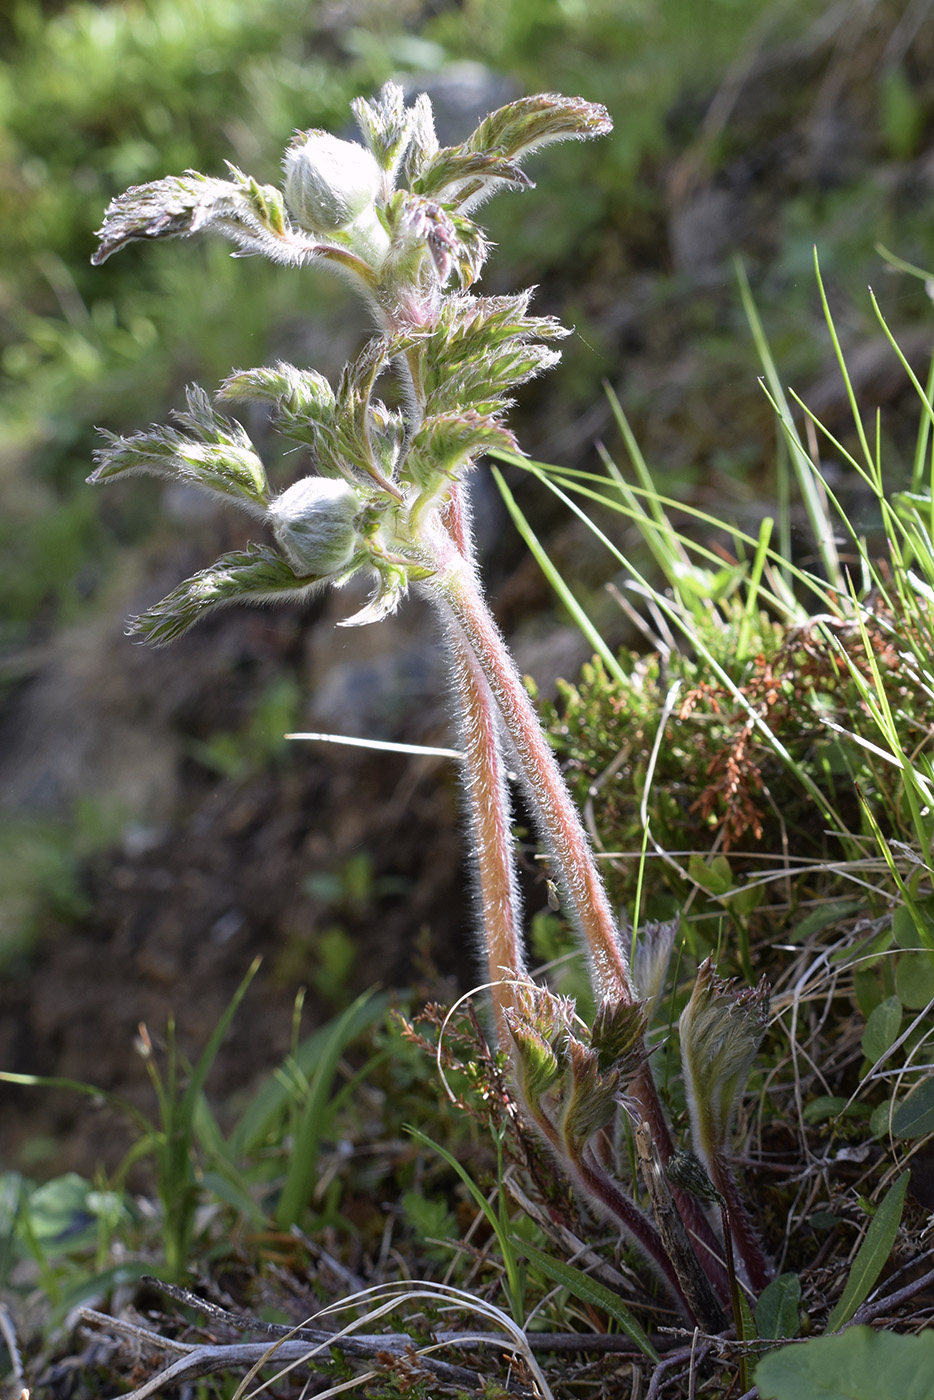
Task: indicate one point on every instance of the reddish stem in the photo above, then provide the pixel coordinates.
(456, 585)
(758, 1266)
(488, 806)
(561, 828)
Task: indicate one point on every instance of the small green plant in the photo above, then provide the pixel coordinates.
(765, 654)
(386, 497)
(169, 1139)
(260, 1175)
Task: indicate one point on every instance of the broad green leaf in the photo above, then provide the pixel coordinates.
(866, 989)
(914, 980)
(914, 1116)
(825, 1220)
(746, 899)
(748, 1326)
(913, 924)
(882, 1029)
(858, 1365)
(589, 1291)
(872, 1254)
(828, 912)
(880, 1120)
(777, 1311)
(714, 876)
(59, 1208)
(832, 1106)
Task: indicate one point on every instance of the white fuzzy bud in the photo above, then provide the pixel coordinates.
(313, 522)
(328, 182)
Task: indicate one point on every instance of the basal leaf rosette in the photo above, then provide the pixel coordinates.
(572, 1078)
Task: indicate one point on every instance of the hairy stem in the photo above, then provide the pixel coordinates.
(561, 829)
(487, 802)
(694, 1282)
(610, 1201)
(758, 1267)
(458, 592)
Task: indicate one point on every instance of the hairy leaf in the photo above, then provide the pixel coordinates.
(447, 443)
(456, 170)
(303, 407)
(251, 215)
(531, 122)
(386, 124)
(721, 1028)
(212, 452)
(255, 575)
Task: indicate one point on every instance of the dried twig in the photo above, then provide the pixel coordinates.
(200, 1359)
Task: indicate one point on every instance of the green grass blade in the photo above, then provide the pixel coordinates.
(752, 588)
(557, 582)
(636, 457)
(258, 1120)
(507, 1244)
(209, 1054)
(805, 470)
(42, 1081)
(314, 1116)
(691, 633)
(847, 382)
(663, 539)
(174, 1143)
(588, 1290)
(872, 1254)
(911, 268)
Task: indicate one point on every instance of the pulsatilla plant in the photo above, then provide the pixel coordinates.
(385, 496)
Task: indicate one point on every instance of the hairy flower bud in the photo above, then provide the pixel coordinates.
(313, 522)
(721, 1029)
(328, 182)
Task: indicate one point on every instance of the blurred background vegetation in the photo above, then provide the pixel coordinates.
(750, 128)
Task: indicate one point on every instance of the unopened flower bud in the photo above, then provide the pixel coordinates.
(313, 522)
(328, 182)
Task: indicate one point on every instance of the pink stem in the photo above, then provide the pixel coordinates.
(455, 585)
(561, 827)
(487, 799)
